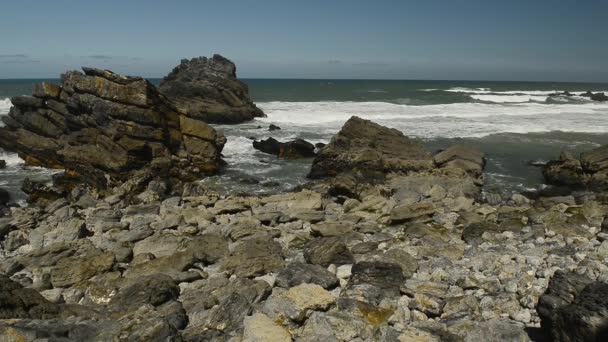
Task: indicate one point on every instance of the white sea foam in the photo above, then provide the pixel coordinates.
(442, 120)
(11, 159)
(509, 98)
(5, 105)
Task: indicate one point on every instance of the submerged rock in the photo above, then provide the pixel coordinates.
(207, 89)
(104, 128)
(294, 149)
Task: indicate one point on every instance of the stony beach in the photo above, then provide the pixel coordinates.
(387, 242)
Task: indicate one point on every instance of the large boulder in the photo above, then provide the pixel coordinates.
(590, 171)
(104, 128)
(207, 89)
(367, 148)
(574, 308)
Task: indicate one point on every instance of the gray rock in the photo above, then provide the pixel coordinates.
(254, 256)
(297, 273)
(326, 251)
(207, 89)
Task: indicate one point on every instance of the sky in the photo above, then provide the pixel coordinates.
(527, 40)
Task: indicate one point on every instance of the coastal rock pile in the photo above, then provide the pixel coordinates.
(104, 128)
(412, 256)
(590, 171)
(207, 89)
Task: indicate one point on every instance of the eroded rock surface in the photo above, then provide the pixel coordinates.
(103, 129)
(207, 89)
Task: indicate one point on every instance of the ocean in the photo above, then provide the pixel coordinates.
(517, 124)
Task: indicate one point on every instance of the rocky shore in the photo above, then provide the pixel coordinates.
(388, 242)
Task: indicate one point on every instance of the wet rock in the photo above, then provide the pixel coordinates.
(294, 149)
(297, 273)
(590, 171)
(272, 127)
(2, 164)
(207, 89)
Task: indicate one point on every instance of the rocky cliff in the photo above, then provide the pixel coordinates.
(207, 89)
(103, 128)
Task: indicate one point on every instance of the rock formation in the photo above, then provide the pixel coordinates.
(103, 128)
(590, 171)
(207, 89)
(365, 152)
(294, 149)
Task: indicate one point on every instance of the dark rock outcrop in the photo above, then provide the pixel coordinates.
(2, 164)
(574, 308)
(294, 149)
(103, 128)
(365, 147)
(590, 171)
(207, 89)
(600, 97)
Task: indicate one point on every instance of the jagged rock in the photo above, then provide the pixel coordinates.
(294, 149)
(368, 148)
(207, 89)
(328, 250)
(574, 308)
(600, 97)
(104, 128)
(155, 290)
(297, 273)
(590, 171)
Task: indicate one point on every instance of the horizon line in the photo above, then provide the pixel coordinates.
(343, 79)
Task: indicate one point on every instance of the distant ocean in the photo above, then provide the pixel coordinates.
(517, 124)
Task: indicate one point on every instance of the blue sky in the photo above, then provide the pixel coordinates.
(553, 40)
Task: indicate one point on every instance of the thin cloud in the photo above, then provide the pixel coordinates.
(18, 55)
(370, 64)
(26, 61)
(335, 61)
(99, 57)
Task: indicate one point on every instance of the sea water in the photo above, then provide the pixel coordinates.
(517, 125)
